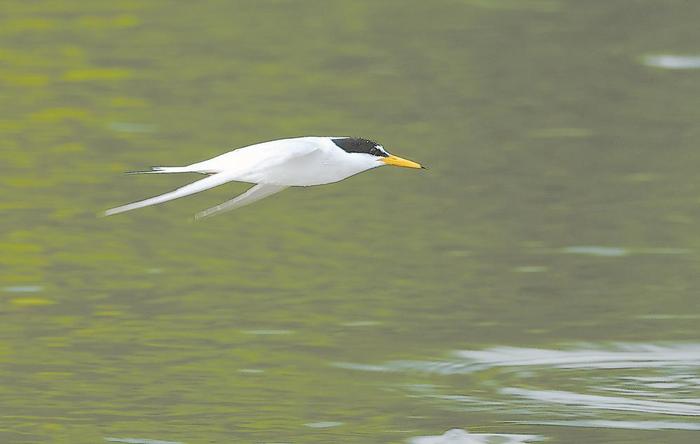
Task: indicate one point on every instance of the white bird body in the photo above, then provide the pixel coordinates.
(276, 165)
(298, 162)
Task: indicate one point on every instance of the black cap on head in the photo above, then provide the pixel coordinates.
(360, 145)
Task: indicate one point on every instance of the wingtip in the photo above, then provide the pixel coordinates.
(201, 215)
(112, 211)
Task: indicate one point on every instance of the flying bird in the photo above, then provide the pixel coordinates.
(273, 166)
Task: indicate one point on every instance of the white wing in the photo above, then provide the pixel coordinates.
(259, 191)
(195, 187)
(251, 160)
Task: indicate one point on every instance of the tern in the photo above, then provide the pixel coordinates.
(273, 166)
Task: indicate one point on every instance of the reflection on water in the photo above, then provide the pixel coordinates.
(141, 441)
(598, 251)
(23, 288)
(323, 424)
(649, 379)
(622, 355)
(633, 425)
(615, 356)
(460, 436)
(691, 408)
(561, 207)
(669, 61)
(603, 251)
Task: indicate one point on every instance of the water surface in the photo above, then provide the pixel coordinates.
(540, 280)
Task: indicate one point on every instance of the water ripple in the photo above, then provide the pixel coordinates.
(617, 356)
(460, 436)
(593, 383)
(140, 441)
(688, 408)
(611, 424)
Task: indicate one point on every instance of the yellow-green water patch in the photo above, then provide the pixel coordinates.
(54, 115)
(68, 147)
(128, 102)
(132, 127)
(53, 375)
(106, 22)
(97, 74)
(27, 24)
(31, 302)
(26, 80)
(109, 313)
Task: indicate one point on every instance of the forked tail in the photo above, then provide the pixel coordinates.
(195, 187)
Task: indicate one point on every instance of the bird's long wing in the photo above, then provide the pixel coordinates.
(195, 187)
(259, 191)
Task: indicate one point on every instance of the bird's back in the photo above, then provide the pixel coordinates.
(293, 162)
(251, 156)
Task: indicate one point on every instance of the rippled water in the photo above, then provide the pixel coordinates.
(459, 436)
(656, 386)
(538, 282)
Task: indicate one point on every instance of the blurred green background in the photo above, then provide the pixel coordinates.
(560, 213)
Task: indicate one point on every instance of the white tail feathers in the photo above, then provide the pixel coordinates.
(195, 187)
(163, 170)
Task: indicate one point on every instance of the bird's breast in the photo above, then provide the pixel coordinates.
(317, 168)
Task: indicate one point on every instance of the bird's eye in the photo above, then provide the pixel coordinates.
(376, 152)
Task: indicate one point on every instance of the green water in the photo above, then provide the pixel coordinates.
(540, 278)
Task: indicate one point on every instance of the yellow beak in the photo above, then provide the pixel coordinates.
(397, 161)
